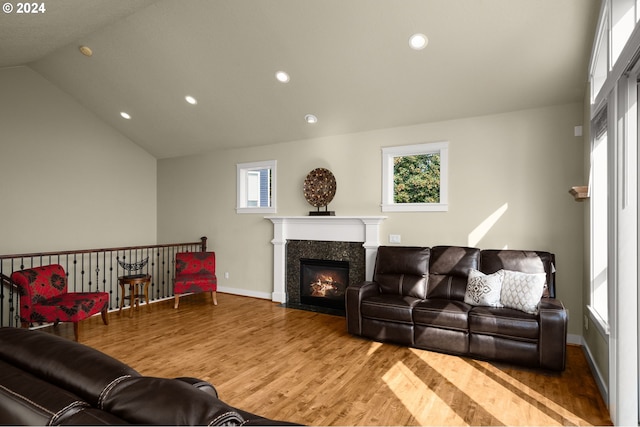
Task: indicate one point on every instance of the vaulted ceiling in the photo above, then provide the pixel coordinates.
(349, 63)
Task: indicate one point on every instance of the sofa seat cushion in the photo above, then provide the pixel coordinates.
(504, 322)
(195, 282)
(204, 276)
(396, 308)
(443, 313)
(69, 307)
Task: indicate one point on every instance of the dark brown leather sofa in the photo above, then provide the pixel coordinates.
(49, 380)
(417, 298)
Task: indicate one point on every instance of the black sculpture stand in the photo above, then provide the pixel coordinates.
(325, 212)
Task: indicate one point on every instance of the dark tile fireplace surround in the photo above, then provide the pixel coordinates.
(297, 250)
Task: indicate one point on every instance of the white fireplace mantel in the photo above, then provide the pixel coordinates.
(364, 229)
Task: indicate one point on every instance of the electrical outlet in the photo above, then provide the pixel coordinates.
(586, 322)
(226, 274)
(394, 238)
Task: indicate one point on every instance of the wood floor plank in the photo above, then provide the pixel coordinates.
(304, 367)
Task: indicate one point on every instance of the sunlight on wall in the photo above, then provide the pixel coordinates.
(423, 403)
(481, 230)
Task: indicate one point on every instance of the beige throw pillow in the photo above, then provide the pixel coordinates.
(484, 289)
(522, 291)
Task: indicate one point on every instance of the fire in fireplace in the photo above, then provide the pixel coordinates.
(323, 283)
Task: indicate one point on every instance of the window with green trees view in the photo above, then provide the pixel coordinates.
(414, 177)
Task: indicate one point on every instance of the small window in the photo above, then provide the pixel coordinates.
(414, 177)
(599, 67)
(599, 204)
(256, 187)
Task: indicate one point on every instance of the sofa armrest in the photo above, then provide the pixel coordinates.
(553, 334)
(353, 298)
(202, 385)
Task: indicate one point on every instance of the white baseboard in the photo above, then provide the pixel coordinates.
(223, 289)
(597, 375)
(601, 381)
(575, 339)
(245, 292)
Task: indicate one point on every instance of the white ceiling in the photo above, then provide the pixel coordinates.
(349, 62)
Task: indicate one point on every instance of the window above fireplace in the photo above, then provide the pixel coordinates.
(256, 187)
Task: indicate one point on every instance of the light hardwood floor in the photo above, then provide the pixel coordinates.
(304, 367)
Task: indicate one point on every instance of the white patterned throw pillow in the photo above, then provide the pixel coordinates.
(522, 291)
(484, 289)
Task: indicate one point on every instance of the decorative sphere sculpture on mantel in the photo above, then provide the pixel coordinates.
(319, 190)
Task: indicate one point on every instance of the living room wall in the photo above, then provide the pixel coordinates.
(69, 181)
(509, 180)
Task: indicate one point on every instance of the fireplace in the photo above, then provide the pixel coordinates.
(309, 260)
(323, 283)
(362, 232)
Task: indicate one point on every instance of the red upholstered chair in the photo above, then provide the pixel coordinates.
(44, 298)
(195, 272)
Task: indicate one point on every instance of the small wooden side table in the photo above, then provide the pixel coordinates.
(138, 285)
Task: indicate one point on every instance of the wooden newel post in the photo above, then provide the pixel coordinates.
(204, 243)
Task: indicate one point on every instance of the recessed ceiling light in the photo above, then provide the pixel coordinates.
(125, 115)
(282, 76)
(86, 50)
(191, 100)
(310, 119)
(418, 41)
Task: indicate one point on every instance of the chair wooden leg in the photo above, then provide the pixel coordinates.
(121, 297)
(146, 296)
(105, 315)
(177, 301)
(76, 331)
(214, 297)
(135, 301)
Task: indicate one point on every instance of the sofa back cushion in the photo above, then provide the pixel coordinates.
(38, 284)
(531, 262)
(448, 271)
(75, 367)
(402, 270)
(195, 263)
(164, 401)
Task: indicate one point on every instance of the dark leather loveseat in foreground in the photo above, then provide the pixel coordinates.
(49, 380)
(424, 298)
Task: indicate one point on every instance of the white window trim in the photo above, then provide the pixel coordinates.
(599, 322)
(599, 178)
(241, 189)
(619, 386)
(388, 153)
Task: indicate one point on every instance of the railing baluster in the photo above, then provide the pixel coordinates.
(82, 273)
(80, 265)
